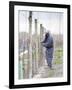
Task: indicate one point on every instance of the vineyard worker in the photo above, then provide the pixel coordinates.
(48, 44)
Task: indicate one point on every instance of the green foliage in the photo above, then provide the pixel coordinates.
(58, 56)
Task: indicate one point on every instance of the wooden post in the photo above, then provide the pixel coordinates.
(41, 47)
(30, 45)
(23, 63)
(28, 57)
(36, 38)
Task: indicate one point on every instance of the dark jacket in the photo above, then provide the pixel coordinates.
(48, 41)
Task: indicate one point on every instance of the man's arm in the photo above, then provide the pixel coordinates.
(48, 43)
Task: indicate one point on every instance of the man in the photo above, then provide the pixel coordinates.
(48, 44)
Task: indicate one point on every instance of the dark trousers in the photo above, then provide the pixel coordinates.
(49, 56)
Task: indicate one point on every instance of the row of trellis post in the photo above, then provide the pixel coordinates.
(28, 68)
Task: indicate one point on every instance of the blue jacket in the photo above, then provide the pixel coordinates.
(48, 43)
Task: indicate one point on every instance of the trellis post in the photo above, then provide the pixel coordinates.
(30, 44)
(36, 38)
(41, 47)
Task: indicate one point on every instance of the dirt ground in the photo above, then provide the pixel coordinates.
(46, 72)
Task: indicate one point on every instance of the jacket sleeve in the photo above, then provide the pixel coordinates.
(48, 43)
(43, 41)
